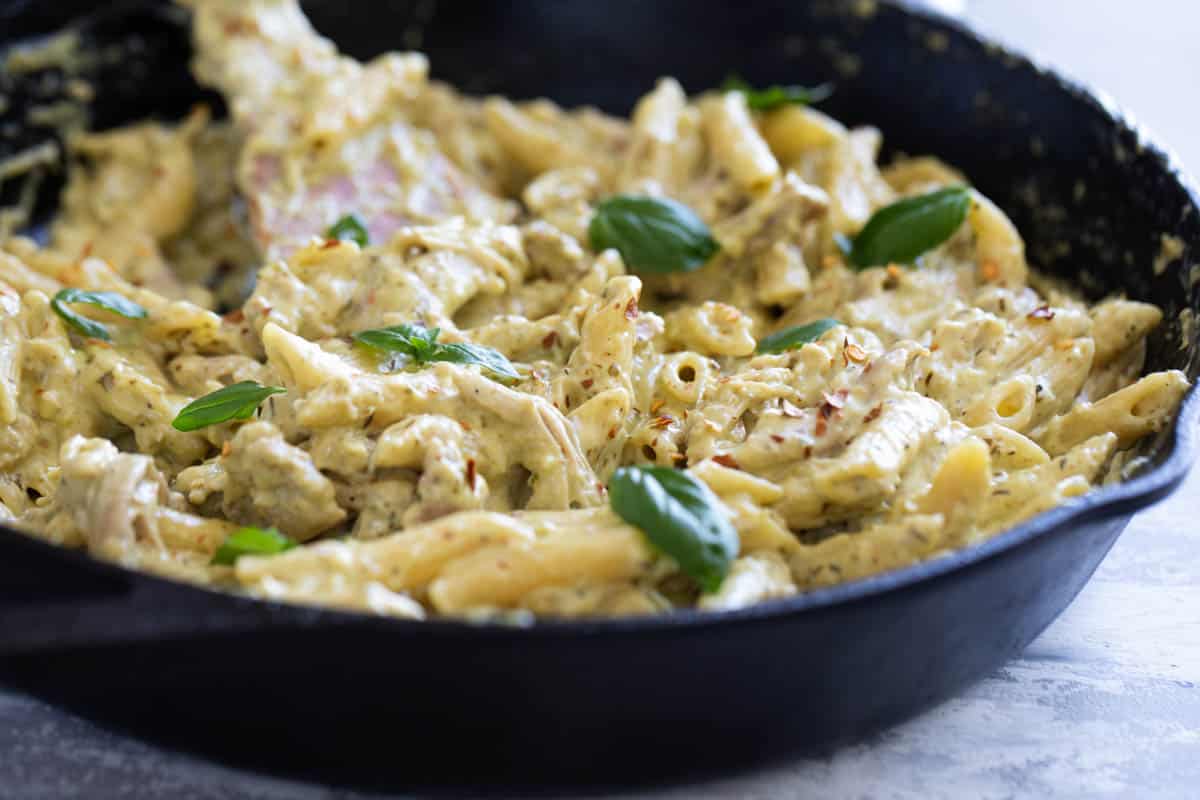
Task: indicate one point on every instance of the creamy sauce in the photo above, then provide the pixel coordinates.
(952, 401)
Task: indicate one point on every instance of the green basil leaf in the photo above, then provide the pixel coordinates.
(907, 228)
(238, 401)
(421, 345)
(681, 516)
(491, 361)
(653, 234)
(776, 96)
(792, 338)
(252, 541)
(412, 340)
(350, 228)
(109, 301)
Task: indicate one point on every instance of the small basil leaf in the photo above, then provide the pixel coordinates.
(653, 234)
(421, 345)
(776, 96)
(350, 228)
(907, 228)
(109, 301)
(412, 340)
(680, 516)
(792, 338)
(238, 401)
(252, 541)
(491, 361)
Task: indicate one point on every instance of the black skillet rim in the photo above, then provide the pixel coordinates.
(1125, 497)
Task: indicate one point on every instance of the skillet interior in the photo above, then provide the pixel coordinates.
(574, 701)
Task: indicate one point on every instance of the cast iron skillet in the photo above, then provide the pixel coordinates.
(384, 702)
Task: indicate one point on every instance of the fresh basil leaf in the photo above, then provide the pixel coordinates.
(109, 301)
(491, 361)
(250, 541)
(237, 401)
(907, 228)
(350, 228)
(792, 338)
(681, 516)
(412, 340)
(421, 345)
(653, 234)
(776, 96)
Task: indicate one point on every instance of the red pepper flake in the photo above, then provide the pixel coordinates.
(808, 451)
(990, 271)
(726, 460)
(226, 449)
(587, 383)
(656, 405)
(631, 308)
(612, 432)
(330, 243)
(854, 353)
(776, 438)
(834, 402)
(873, 413)
(471, 473)
(892, 278)
(819, 430)
(662, 421)
(550, 339)
(464, 425)
(1041, 312)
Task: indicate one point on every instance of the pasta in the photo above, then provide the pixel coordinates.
(438, 375)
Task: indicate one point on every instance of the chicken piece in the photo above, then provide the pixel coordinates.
(325, 135)
(425, 274)
(270, 482)
(129, 191)
(111, 497)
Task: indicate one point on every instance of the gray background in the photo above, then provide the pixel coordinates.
(1104, 704)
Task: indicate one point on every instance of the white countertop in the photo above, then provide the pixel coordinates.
(1106, 703)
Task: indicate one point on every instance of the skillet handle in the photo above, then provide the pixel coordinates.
(57, 599)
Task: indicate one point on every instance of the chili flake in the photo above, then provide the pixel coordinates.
(1041, 312)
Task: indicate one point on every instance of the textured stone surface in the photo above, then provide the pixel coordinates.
(1106, 703)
